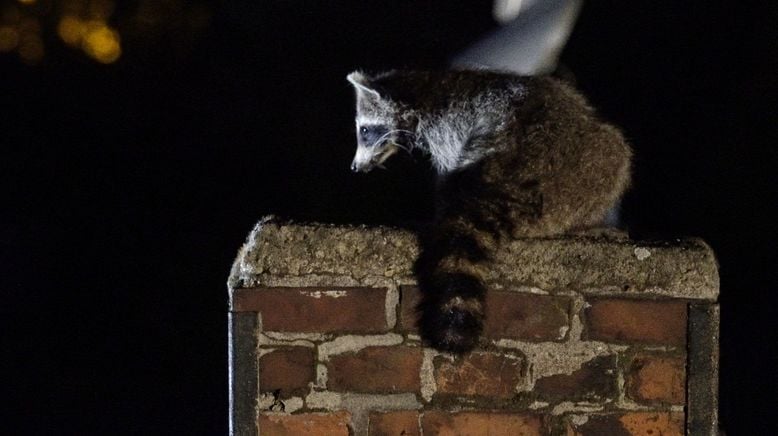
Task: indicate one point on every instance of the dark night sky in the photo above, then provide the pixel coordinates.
(128, 188)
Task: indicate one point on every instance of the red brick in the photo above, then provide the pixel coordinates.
(665, 424)
(317, 310)
(409, 298)
(509, 315)
(630, 424)
(642, 321)
(478, 374)
(376, 370)
(526, 316)
(289, 369)
(657, 378)
(596, 380)
(405, 423)
(309, 424)
(481, 423)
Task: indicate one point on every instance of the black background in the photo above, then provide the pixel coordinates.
(129, 188)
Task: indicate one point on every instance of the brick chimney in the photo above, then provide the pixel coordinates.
(590, 334)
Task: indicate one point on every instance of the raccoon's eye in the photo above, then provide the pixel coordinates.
(371, 135)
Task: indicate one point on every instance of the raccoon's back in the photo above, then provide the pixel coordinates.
(580, 163)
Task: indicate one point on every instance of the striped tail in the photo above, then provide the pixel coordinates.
(450, 274)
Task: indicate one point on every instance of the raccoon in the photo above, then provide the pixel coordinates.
(515, 157)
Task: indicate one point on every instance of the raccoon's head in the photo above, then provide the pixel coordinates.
(380, 129)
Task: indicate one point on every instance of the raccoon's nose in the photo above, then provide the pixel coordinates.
(354, 167)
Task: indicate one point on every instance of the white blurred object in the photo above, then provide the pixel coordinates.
(530, 41)
(506, 10)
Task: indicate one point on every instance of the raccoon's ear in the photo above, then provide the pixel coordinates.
(362, 84)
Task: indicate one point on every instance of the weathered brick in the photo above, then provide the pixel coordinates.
(481, 423)
(310, 424)
(596, 380)
(478, 374)
(409, 298)
(628, 424)
(509, 315)
(657, 378)
(318, 310)
(289, 369)
(405, 422)
(642, 321)
(526, 316)
(376, 370)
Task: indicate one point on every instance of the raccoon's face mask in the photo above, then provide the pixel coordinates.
(378, 133)
(375, 144)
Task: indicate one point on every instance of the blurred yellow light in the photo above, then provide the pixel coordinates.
(31, 50)
(71, 30)
(9, 38)
(26, 2)
(102, 43)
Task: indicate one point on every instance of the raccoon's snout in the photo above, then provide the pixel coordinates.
(356, 168)
(368, 158)
(362, 167)
(363, 160)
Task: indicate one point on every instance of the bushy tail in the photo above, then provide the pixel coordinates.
(450, 274)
